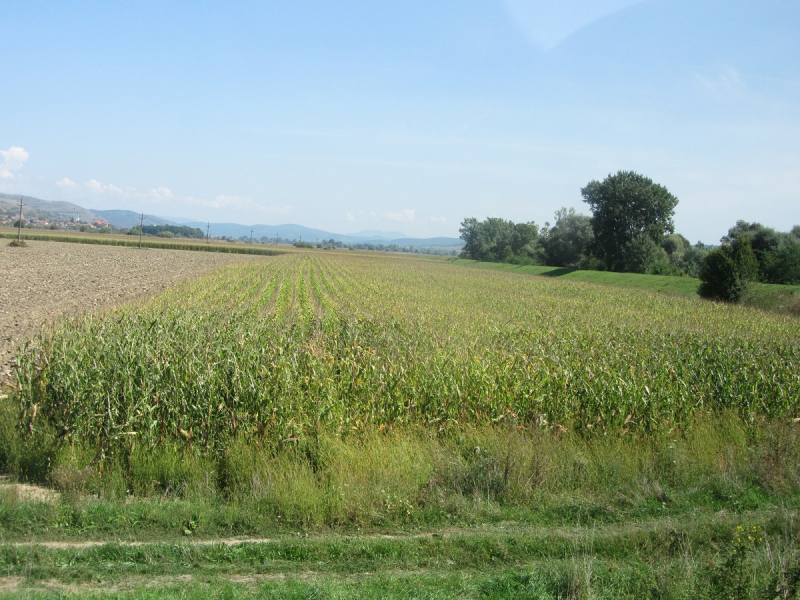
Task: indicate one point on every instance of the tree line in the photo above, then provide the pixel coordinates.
(631, 230)
(169, 231)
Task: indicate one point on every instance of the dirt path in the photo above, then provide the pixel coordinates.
(46, 280)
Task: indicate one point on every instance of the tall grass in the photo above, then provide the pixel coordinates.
(308, 347)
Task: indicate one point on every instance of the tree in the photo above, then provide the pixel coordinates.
(764, 240)
(625, 207)
(498, 240)
(777, 253)
(728, 271)
(568, 241)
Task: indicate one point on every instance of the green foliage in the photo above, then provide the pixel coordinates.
(643, 255)
(783, 266)
(170, 231)
(568, 242)
(728, 271)
(777, 253)
(684, 258)
(627, 209)
(498, 240)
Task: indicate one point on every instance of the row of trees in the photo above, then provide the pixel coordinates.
(631, 230)
(169, 231)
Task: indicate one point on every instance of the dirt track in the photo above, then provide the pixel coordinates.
(46, 280)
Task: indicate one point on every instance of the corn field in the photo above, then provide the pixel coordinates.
(340, 341)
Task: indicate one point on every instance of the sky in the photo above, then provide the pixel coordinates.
(404, 116)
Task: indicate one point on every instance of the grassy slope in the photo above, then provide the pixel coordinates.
(679, 286)
(779, 298)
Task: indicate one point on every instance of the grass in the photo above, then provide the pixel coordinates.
(770, 297)
(679, 286)
(693, 558)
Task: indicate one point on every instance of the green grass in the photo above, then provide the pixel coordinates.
(770, 297)
(679, 286)
(691, 558)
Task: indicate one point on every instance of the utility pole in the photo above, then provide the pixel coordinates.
(19, 223)
(141, 227)
(251, 236)
(208, 228)
(277, 236)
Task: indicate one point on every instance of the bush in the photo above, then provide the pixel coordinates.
(727, 271)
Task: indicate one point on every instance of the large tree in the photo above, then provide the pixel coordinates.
(629, 213)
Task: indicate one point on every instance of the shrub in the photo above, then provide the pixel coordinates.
(727, 271)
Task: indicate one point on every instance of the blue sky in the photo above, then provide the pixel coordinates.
(405, 116)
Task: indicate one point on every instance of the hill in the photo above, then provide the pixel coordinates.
(36, 207)
(127, 218)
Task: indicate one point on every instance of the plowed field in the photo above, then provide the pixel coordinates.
(46, 280)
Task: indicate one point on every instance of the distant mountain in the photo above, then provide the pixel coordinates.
(377, 235)
(127, 218)
(292, 231)
(436, 241)
(288, 231)
(36, 207)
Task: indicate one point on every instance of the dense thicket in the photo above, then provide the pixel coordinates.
(498, 240)
(777, 253)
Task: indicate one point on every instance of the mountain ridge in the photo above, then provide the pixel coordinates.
(126, 219)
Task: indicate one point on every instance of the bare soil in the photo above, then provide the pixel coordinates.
(47, 280)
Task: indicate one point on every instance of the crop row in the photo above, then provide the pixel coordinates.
(302, 342)
(148, 243)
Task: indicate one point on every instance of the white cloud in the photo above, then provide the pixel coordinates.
(438, 219)
(548, 23)
(12, 161)
(351, 217)
(67, 184)
(404, 216)
(235, 203)
(101, 188)
(223, 201)
(161, 193)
